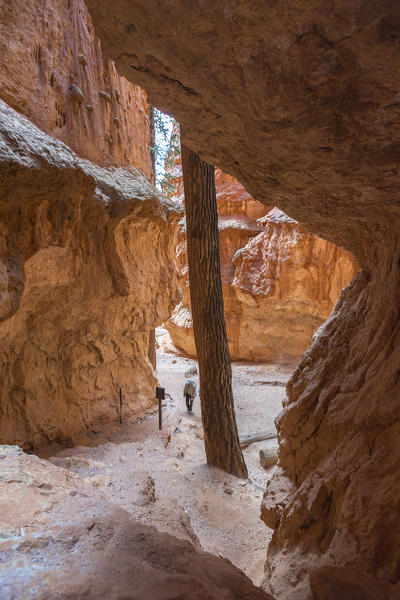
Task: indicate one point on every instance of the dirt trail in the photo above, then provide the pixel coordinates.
(161, 477)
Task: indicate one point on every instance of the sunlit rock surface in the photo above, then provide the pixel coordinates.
(87, 271)
(76, 307)
(300, 102)
(285, 285)
(280, 283)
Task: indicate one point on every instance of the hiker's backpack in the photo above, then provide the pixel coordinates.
(190, 388)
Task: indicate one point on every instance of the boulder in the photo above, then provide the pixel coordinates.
(60, 538)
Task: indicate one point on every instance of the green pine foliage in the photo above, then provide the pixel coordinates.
(166, 149)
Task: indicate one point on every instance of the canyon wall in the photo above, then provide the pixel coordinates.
(279, 282)
(300, 102)
(85, 247)
(285, 284)
(87, 272)
(53, 71)
(334, 501)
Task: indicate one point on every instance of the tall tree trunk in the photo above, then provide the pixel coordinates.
(219, 422)
(152, 337)
(153, 143)
(152, 352)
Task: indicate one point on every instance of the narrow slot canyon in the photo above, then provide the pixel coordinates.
(296, 105)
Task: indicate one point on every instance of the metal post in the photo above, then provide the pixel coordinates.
(120, 406)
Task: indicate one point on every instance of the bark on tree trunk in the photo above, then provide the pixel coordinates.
(221, 438)
(152, 354)
(153, 144)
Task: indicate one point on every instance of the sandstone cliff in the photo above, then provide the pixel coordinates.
(87, 271)
(280, 283)
(285, 284)
(77, 309)
(53, 71)
(300, 102)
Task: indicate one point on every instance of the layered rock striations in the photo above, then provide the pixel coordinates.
(53, 71)
(87, 271)
(280, 283)
(300, 102)
(285, 285)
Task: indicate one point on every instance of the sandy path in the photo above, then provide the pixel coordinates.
(162, 478)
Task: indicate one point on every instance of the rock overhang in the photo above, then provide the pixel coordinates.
(298, 101)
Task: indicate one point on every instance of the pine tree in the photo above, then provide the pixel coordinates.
(221, 438)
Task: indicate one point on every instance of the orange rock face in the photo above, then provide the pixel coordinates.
(77, 311)
(52, 70)
(285, 285)
(86, 272)
(279, 282)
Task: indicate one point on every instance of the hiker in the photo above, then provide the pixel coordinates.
(189, 391)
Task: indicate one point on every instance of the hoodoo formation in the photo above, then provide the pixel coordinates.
(299, 102)
(286, 283)
(280, 283)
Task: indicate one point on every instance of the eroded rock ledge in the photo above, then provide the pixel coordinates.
(86, 271)
(297, 100)
(52, 518)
